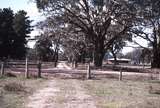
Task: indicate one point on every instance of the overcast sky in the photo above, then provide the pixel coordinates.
(33, 13)
(26, 5)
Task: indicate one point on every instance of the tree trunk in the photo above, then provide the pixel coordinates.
(75, 64)
(115, 58)
(39, 69)
(98, 59)
(83, 57)
(56, 58)
(2, 68)
(89, 72)
(99, 53)
(156, 58)
(56, 55)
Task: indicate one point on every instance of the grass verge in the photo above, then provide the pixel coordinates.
(15, 90)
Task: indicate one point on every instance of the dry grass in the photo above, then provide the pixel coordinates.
(14, 87)
(126, 94)
(110, 93)
(14, 91)
(106, 93)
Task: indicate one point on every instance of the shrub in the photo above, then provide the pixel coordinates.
(14, 87)
(10, 75)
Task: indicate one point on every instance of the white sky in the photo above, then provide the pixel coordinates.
(31, 9)
(140, 41)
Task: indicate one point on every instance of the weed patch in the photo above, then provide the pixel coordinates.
(10, 75)
(14, 87)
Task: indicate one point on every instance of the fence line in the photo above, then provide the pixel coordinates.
(26, 63)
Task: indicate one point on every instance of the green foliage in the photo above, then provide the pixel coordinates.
(95, 23)
(148, 19)
(7, 33)
(22, 28)
(98, 2)
(44, 49)
(14, 30)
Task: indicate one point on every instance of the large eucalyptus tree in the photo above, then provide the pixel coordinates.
(101, 21)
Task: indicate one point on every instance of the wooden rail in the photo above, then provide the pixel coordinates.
(26, 63)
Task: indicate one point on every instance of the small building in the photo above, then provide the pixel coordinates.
(119, 60)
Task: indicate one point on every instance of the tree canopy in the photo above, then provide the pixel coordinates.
(147, 26)
(14, 29)
(101, 22)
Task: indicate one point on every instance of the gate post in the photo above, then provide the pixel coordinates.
(89, 71)
(2, 68)
(26, 69)
(120, 75)
(39, 65)
(159, 75)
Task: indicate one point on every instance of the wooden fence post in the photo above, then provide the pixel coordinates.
(55, 64)
(75, 64)
(72, 64)
(2, 68)
(151, 74)
(39, 69)
(120, 75)
(26, 69)
(89, 71)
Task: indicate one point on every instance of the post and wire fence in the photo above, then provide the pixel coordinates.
(22, 66)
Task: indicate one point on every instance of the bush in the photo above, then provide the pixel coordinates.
(10, 75)
(14, 87)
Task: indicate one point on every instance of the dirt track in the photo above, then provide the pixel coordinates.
(58, 94)
(68, 88)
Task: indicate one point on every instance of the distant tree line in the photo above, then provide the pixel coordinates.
(14, 30)
(140, 56)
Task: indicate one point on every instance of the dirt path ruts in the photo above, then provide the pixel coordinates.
(43, 98)
(81, 99)
(61, 94)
